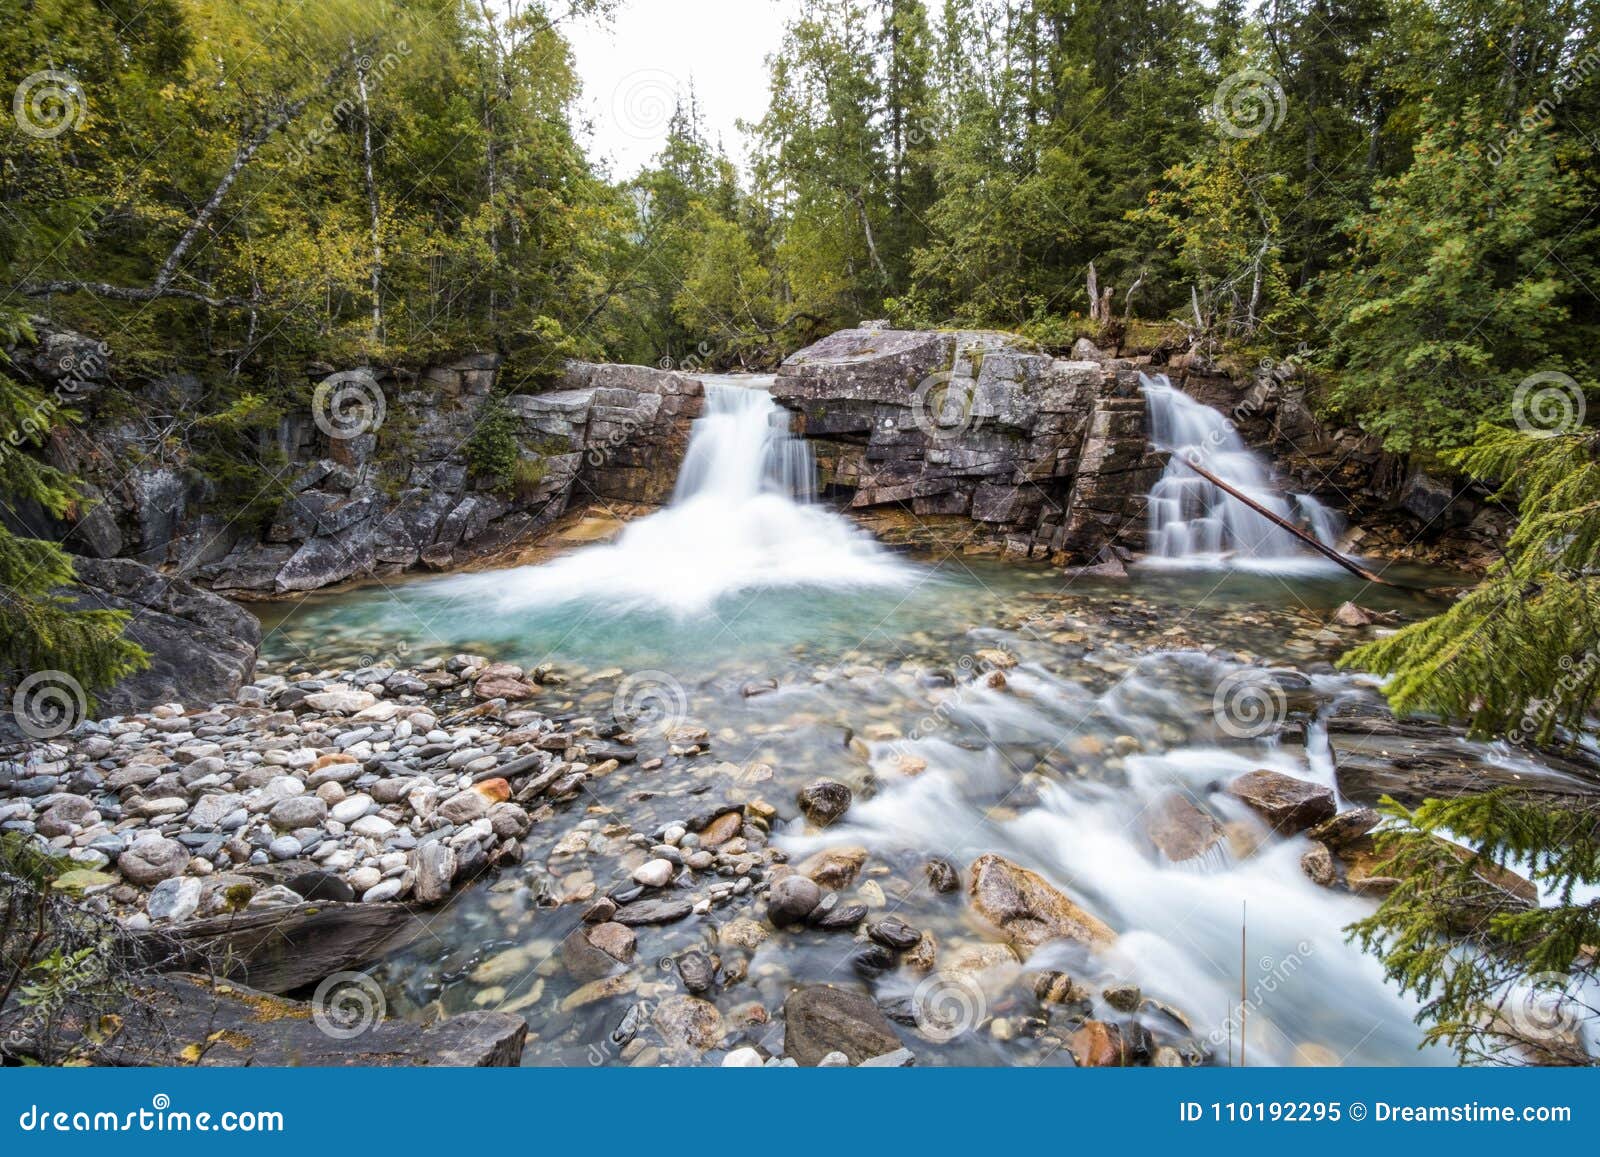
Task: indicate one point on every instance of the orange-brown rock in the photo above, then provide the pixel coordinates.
(1097, 1045)
(1027, 908)
(1181, 829)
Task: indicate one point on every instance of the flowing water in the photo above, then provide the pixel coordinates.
(1195, 522)
(885, 673)
(741, 519)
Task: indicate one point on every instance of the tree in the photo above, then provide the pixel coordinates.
(1448, 298)
(1221, 211)
(51, 655)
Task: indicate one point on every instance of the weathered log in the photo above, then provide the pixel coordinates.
(283, 949)
(184, 1019)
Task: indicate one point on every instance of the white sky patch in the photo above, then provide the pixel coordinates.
(635, 67)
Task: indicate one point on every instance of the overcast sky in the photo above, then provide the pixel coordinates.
(634, 67)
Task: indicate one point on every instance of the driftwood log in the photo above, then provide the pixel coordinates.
(183, 1019)
(287, 948)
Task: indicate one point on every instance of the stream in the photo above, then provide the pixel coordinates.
(971, 706)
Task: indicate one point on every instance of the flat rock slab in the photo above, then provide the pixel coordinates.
(184, 1019)
(642, 912)
(287, 948)
(1413, 760)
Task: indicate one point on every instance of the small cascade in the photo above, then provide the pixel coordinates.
(1193, 521)
(742, 518)
(741, 447)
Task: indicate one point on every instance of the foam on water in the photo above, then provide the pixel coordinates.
(1307, 986)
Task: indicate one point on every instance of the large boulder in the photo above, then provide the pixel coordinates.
(202, 647)
(819, 1020)
(1027, 908)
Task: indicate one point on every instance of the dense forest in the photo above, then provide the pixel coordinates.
(1400, 195)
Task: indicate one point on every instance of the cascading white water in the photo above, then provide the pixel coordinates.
(1195, 522)
(741, 518)
(1179, 924)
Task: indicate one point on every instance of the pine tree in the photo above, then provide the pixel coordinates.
(41, 635)
(1502, 978)
(1518, 656)
(1449, 298)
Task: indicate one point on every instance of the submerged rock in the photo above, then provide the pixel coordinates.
(1180, 829)
(824, 800)
(1098, 1045)
(833, 867)
(688, 1021)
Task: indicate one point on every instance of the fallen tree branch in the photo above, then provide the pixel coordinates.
(1310, 540)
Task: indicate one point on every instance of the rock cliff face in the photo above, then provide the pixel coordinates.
(393, 498)
(978, 434)
(1046, 456)
(201, 647)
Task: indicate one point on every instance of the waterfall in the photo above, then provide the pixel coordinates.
(742, 518)
(1195, 522)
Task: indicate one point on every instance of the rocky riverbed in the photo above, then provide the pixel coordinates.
(1004, 835)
